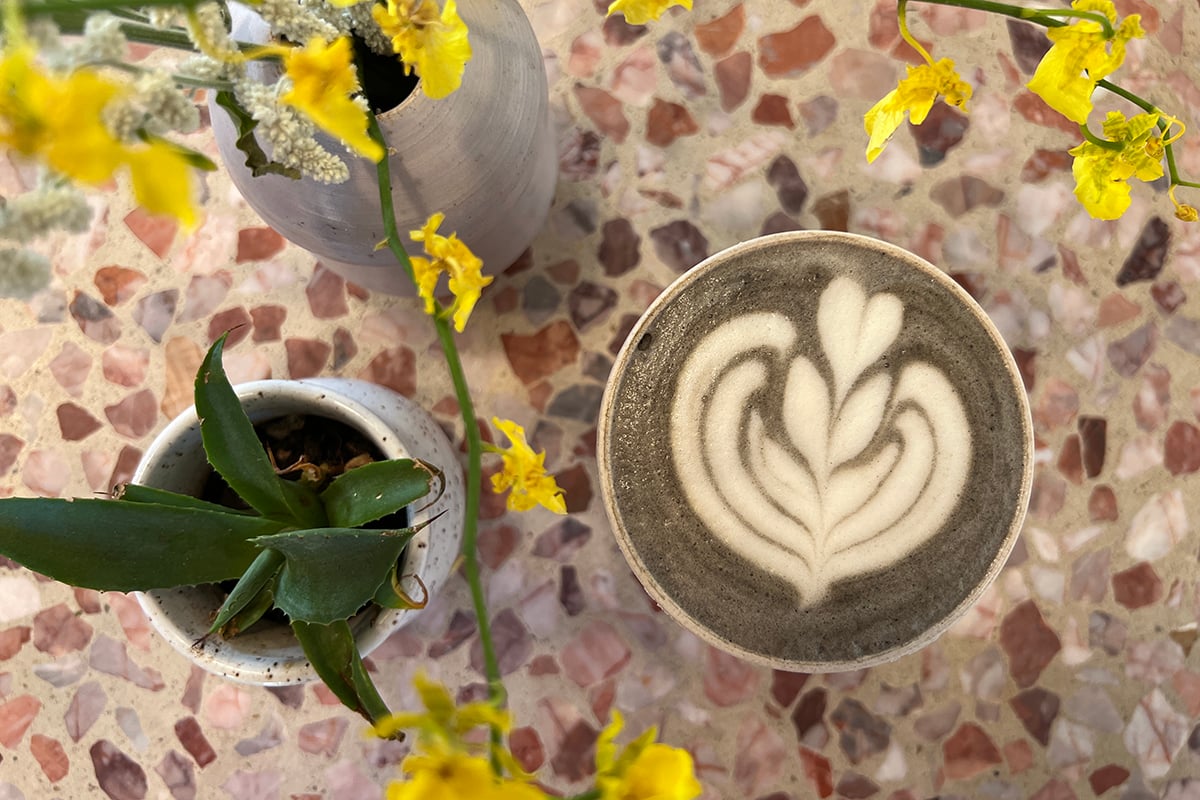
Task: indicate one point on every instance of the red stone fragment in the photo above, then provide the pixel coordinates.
(666, 122)
(1029, 643)
(187, 730)
(1034, 109)
(1107, 777)
(1026, 365)
(1093, 441)
(395, 368)
(968, 752)
(326, 294)
(818, 770)
(1169, 296)
(727, 679)
(50, 757)
(58, 631)
(1182, 448)
(786, 686)
(1044, 163)
(155, 231)
(716, 37)
(1054, 789)
(1037, 710)
(1019, 756)
(75, 423)
(267, 321)
(119, 776)
(135, 416)
(255, 244)
(1138, 586)
(306, 357)
(542, 353)
(1115, 309)
(1070, 460)
(236, 321)
(793, 51)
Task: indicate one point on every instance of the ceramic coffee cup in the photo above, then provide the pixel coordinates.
(815, 451)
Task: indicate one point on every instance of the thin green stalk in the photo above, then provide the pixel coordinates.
(1034, 15)
(43, 7)
(466, 406)
(72, 21)
(590, 794)
(1096, 140)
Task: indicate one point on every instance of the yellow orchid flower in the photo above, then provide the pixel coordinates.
(59, 121)
(1183, 211)
(1102, 173)
(645, 770)
(323, 80)
(1080, 56)
(639, 12)
(914, 95)
(433, 44)
(450, 255)
(524, 472)
(442, 720)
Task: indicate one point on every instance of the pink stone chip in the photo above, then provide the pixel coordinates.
(326, 294)
(727, 679)
(732, 75)
(323, 737)
(135, 416)
(16, 715)
(761, 757)
(818, 771)
(50, 757)
(1182, 448)
(125, 366)
(1116, 309)
(268, 321)
(1102, 504)
(604, 110)
(666, 122)
(155, 231)
(1137, 587)
(58, 631)
(71, 367)
(395, 368)
(306, 358)
(597, 652)
(526, 746)
(234, 321)
(12, 640)
(85, 708)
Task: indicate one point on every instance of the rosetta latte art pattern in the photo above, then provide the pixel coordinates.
(871, 466)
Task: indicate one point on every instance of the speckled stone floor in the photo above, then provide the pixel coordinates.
(1076, 676)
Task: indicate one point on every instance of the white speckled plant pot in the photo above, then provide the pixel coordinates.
(268, 654)
(485, 156)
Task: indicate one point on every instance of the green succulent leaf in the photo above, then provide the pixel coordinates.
(330, 573)
(392, 595)
(236, 454)
(334, 655)
(250, 587)
(115, 546)
(373, 491)
(134, 493)
(253, 611)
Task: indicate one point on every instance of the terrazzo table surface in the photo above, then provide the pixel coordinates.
(1076, 675)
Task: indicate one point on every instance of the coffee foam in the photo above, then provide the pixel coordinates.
(865, 474)
(773, 598)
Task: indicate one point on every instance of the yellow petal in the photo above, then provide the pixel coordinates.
(639, 12)
(323, 80)
(162, 182)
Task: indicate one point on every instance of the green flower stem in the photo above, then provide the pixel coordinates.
(1099, 142)
(590, 794)
(43, 7)
(496, 691)
(72, 21)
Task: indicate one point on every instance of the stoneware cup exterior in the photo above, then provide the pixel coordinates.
(268, 654)
(850, 600)
(485, 156)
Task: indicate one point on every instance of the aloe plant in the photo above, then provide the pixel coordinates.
(284, 552)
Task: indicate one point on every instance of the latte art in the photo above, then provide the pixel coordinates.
(858, 460)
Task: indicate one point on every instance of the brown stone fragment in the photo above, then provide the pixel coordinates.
(786, 686)
(1115, 308)
(1037, 710)
(1102, 504)
(1182, 448)
(855, 786)
(135, 416)
(1029, 642)
(716, 37)
(234, 320)
(577, 488)
(1034, 109)
(1026, 365)
(267, 321)
(620, 245)
(118, 284)
(964, 193)
(1093, 440)
(526, 746)
(666, 122)
(772, 109)
(1138, 586)
(604, 110)
(187, 730)
(542, 353)
(75, 423)
(119, 776)
(12, 640)
(1146, 259)
(326, 293)
(1070, 460)
(968, 752)
(1107, 777)
(793, 51)
(818, 771)
(255, 244)
(1169, 296)
(732, 75)
(1054, 789)
(395, 368)
(306, 357)
(679, 244)
(833, 211)
(1043, 163)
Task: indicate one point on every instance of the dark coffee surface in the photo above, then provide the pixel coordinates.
(781, 612)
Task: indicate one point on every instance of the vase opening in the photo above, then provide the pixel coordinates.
(383, 78)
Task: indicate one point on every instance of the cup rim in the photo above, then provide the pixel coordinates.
(605, 477)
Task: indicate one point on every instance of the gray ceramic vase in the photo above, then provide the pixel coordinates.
(268, 654)
(485, 156)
